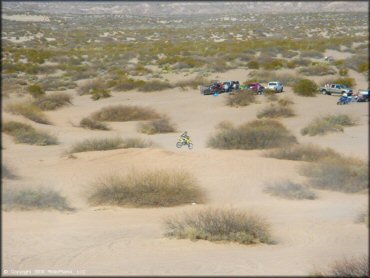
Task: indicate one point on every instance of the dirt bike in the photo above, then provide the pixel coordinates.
(182, 141)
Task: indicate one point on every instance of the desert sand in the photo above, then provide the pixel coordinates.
(309, 234)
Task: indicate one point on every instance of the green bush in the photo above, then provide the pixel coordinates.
(123, 113)
(92, 124)
(305, 87)
(105, 144)
(330, 123)
(161, 188)
(99, 93)
(253, 65)
(220, 225)
(290, 190)
(52, 101)
(258, 134)
(241, 98)
(35, 90)
(25, 133)
(33, 198)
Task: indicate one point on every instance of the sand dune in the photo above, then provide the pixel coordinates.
(127, 241)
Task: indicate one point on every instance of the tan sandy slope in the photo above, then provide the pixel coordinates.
(128, 241)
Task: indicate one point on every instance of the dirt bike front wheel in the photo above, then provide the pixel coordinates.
(190, 146)
(179, 144)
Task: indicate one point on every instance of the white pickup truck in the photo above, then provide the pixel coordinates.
(339, 89)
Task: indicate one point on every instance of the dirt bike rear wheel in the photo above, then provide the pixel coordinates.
(179, 144)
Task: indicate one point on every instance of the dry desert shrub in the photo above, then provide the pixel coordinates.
(311, 54)
(287, 79)
(162, 125)
(192, 83)
(52, 101)
(93, 124)
(317, 70)
(104, 144)
(220, 225)
(240, 98)
(33, 198)
(347, 267)
(123, 113)
(330, 123)
(285, 101)
(346, 81)
(275, 111)
(224, 125)
(28, 111)
(25, 133)
(290, 190)
(155, 85)
(163, 188)
(343, 174)
(303, 152)
(258, 134)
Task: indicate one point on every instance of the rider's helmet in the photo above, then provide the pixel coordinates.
(185, 133)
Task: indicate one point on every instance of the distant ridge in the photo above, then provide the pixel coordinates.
(182, 8)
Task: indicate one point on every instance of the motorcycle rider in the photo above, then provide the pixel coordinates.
(185, 137)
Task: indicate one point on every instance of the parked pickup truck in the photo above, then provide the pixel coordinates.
(339, 89)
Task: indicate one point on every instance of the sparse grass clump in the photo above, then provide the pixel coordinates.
(258, 134)
(108, 144)
(330, 123)
(225, 225)
(162, 188)
(28, 111)
(345, 175)
(353, 267)
(93, 124)
(275, 111)
(25, 133)
(33, 198)
(52, 101)
(290, 190)
(306, 152)
(305, 87)
(123, 113)
(162, 125)
(154, 85)
(241, 98)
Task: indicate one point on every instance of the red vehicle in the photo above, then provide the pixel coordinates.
(256, 87)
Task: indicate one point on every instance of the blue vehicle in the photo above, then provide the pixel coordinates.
(344, 100)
